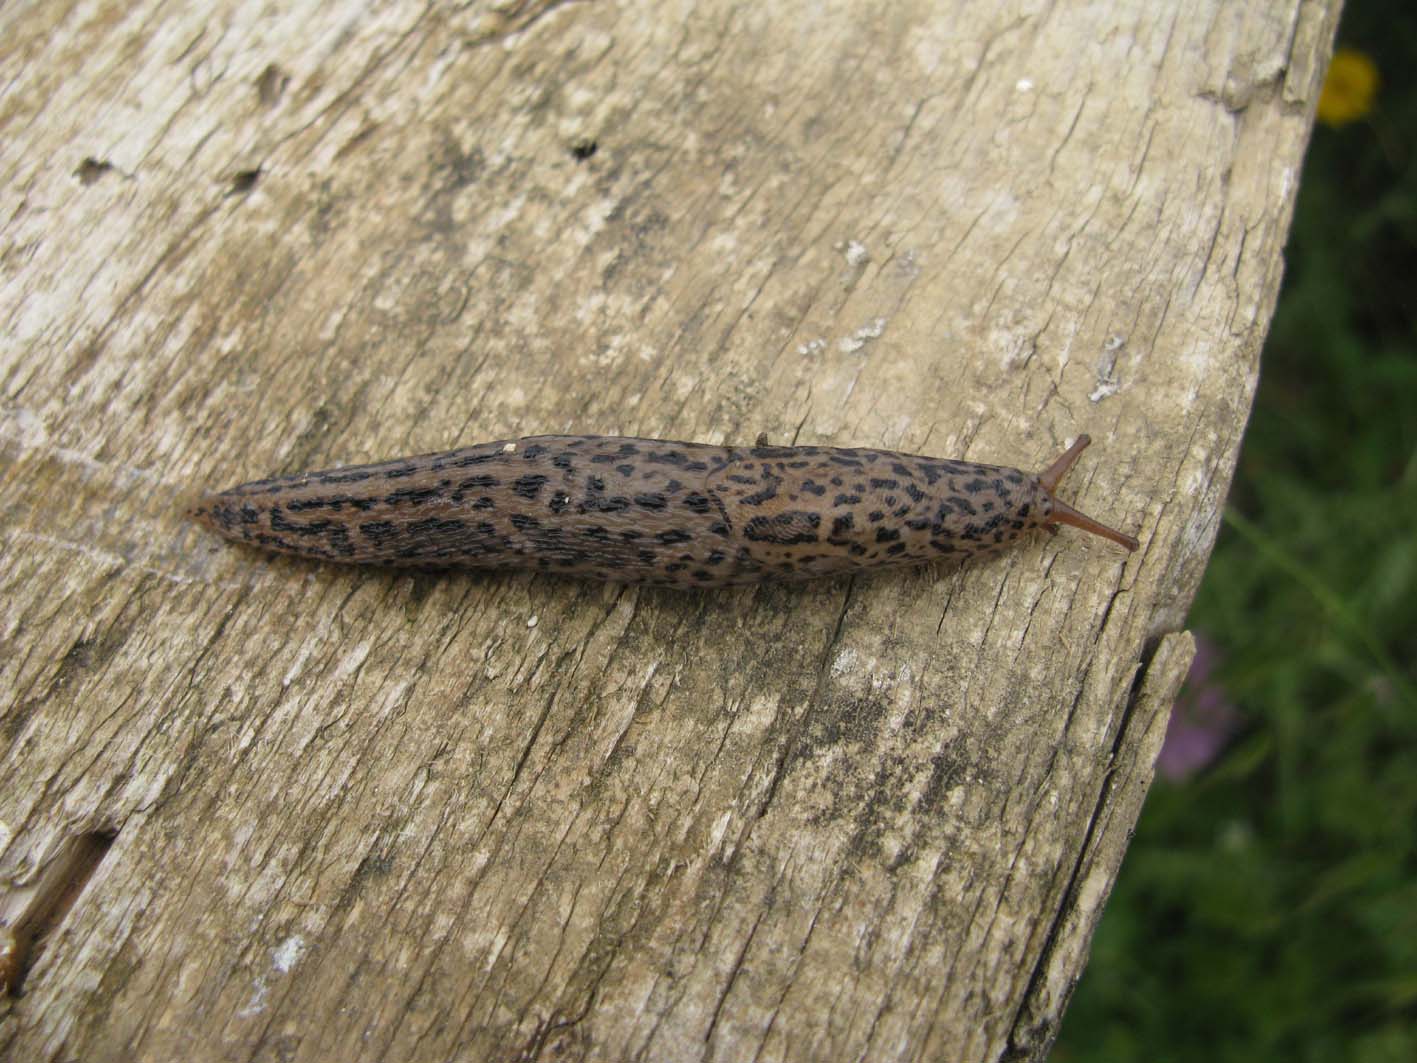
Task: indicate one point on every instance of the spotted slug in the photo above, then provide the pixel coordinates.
(650, 511)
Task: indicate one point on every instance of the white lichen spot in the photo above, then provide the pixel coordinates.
(1023, 85)
(725, 243)
(1107, 384)
(257, 1003)
(1104, 390)
(595, 217)
(287, 954)
(812, 347)
(843, 662)
(720, 828)
(856, 254)
(858, 339)
(927, 52)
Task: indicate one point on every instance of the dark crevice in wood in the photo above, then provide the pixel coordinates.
(92, 170)
(244, 181)
(1027, 1040)
(53, 896)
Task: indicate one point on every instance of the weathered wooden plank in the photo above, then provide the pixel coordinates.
(360, 814)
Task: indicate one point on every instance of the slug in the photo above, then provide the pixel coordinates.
(650, 511)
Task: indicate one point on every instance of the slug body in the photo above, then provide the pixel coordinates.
(650, 511)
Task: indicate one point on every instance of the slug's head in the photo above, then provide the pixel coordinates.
(1062, 513)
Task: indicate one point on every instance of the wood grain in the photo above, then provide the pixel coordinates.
(373, 815)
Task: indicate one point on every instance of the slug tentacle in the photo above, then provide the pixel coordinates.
(1053, 475)
(1066, 514)
(650, 511)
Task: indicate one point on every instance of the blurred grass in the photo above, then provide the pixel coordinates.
(1267, 908)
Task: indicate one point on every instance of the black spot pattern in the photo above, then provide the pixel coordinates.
(640, 510)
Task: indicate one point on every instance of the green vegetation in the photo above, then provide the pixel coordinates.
(1267, 908)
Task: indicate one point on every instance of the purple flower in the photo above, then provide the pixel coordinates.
(1202, 721)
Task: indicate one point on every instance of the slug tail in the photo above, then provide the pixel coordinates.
(201, 512)
(213, 512)
(1066, 514)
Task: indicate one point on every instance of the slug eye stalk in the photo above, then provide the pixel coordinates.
(1066, 514)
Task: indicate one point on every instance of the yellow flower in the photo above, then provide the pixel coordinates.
(1349, 88)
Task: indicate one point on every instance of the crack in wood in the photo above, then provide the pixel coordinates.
(30, 914)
